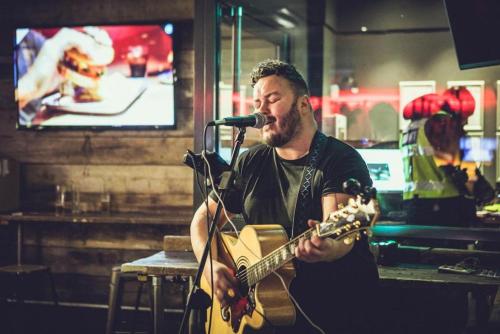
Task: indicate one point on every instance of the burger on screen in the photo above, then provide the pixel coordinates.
(82, 73)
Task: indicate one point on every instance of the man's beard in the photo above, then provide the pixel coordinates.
(290, 126)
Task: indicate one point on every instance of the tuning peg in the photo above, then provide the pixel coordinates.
(369, 193)
(351, 187)
(348, 240)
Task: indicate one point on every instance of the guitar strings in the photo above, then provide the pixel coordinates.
(267, 261)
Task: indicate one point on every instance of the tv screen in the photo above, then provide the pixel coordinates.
(472, 24)
(478, 149)
(385, 167)
(107, 76)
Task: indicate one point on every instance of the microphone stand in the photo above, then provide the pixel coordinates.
(198, 299)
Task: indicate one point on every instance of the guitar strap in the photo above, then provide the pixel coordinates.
(304, 197)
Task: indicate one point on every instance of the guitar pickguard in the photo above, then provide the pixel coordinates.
(236, 311)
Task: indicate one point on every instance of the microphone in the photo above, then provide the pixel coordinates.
(256, 120)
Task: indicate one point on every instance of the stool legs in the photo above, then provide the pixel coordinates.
(115, 298)
(115, 291)
(53, 287)
(157, 282)
(136, 308)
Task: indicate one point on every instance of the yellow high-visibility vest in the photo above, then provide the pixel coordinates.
(423, 177)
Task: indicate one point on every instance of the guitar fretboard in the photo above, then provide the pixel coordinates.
(347, 221)
(272, 261)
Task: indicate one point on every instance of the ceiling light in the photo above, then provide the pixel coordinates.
(284, 22)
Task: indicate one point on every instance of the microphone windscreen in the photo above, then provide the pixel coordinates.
(260, 120)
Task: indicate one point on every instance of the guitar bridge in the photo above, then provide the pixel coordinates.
(234, 312)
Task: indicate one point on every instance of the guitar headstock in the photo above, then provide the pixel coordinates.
(356, 216)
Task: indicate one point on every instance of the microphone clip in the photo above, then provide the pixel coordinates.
(217, 165)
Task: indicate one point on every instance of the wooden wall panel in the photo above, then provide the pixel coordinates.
(141, 169)
(28, 12)
(133, 188)
(38, 148)
(136, 238)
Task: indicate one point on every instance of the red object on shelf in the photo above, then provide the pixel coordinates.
(457, 100)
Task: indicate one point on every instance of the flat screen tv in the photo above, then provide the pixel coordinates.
(474, 25)
(385, 167)
(95, 77)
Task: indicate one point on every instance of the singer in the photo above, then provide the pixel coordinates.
(295, 179)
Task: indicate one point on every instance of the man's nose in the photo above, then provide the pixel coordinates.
(263, 108)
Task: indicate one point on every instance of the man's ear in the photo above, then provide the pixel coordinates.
(304, 104)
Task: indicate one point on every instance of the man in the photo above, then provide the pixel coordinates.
(335, 280)
(440, 188)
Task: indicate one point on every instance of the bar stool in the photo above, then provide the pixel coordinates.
(18, 274)
(118, 279)
(21, 271)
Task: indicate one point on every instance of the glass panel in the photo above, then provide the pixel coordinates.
(364, 61)
(255, 49)
(260, 39)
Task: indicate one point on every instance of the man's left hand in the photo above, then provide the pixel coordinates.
(315, 249)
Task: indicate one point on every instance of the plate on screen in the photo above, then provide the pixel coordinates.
(118, 92)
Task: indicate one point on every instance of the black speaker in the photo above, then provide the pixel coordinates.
(474, 25)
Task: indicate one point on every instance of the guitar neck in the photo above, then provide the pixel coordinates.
(273, 261)
(347, 221)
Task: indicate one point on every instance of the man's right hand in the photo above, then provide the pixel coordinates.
(225, 284)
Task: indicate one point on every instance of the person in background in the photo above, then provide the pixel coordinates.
(336, 280)
(440, 188)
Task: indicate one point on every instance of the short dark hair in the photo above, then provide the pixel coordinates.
(280, 68)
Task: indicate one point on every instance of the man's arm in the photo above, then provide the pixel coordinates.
(327, 249)
(223, 276)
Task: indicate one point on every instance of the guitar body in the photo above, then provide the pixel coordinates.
(267, 297)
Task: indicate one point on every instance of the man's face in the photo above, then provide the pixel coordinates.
(274, 97)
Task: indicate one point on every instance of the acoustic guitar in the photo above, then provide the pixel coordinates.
(262, 261)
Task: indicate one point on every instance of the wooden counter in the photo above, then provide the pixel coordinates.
(177, 216)
(184, 264)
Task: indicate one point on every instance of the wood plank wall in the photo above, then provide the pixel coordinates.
(142, 170)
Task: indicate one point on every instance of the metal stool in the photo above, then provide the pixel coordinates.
(115, 297)
(23, 270)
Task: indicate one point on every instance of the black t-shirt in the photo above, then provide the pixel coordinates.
(266, 185)
(265, 192)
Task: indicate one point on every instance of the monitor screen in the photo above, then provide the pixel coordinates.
(107, 76)
(473, 26)
(478, 149)
(385, 167)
